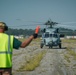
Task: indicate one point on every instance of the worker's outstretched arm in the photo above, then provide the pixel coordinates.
(26, 42)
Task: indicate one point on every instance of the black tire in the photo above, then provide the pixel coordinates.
(50, 46)
(41, 46)
(60, 45)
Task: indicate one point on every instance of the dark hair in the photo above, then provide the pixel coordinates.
(4, 25)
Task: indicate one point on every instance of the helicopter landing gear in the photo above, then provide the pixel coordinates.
(59, 45)
(41, 46)
(50, 46)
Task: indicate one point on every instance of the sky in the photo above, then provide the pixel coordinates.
(26, 13)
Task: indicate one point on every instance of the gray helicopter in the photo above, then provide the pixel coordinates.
(50, 36)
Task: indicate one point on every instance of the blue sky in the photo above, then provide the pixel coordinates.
(21, 12)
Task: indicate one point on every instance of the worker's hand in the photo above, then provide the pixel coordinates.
(36, 31)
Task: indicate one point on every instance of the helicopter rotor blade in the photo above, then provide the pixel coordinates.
(68, 23)
(49, 23)
(26, 25)
(28, 21)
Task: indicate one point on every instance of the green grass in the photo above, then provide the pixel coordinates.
(72, 53)
(69, 53)
(69, 40)
(67, 57)
(33, 62)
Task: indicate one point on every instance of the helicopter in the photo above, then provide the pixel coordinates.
(50, 36)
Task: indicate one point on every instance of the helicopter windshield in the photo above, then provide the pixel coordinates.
(55, 35)
(50, 35)
(46, 35)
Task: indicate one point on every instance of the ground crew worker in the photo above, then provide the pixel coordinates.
(7, 43)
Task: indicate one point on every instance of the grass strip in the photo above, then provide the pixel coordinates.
(33, 62)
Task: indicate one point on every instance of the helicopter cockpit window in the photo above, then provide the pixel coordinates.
(46, 35)
(50, 35)
(55, 35)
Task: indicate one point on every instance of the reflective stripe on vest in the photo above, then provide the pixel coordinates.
(7, 52)
(6, 48)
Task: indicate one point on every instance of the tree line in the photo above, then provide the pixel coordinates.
(28, 32)
(17, 32)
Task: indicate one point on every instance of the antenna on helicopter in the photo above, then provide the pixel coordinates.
(50, 23)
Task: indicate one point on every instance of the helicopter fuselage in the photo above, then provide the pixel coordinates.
(51, 38)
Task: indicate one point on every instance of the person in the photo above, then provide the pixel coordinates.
(7, 44)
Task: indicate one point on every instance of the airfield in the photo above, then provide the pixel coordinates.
(33, 60)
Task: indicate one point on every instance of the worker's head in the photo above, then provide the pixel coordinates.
(3, 26)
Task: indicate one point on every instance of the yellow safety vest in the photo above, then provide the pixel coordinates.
(6, 49)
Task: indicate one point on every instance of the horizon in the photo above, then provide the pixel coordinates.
(16, 13)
